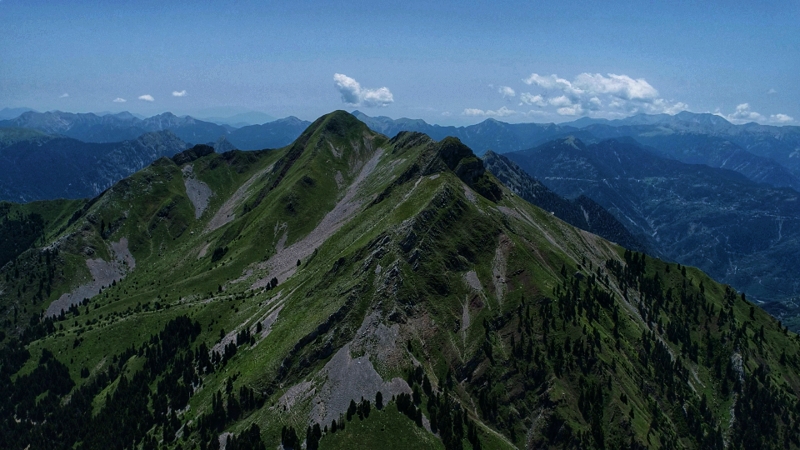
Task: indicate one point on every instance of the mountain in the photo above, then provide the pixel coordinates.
(275, 134)
(779, 145)
(738, 231)
(36, 166)
(355, 291)
(764, 154)
(116, 127)
(697, 148)
(490, 134)
(241, 119)
(11, 113)
(582, 212)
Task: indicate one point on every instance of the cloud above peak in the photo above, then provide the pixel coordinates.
(355, 95)
(502, 112)
(147, 98)
(179, 93)
(119, 100)
(744, 114)
(600, 95)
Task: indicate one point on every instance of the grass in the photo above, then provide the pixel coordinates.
(385, 429)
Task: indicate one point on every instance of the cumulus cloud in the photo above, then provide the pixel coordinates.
(781, 118)
(552, 82)
(609, 95)
(64, 95)
(572, 110)
(530, 99)
(179, 93)
(355, 95)
(147, 98)
(621, 86)
(119, 100)
(745, 114)
(560, 101)
(502, 112)
(506, 91)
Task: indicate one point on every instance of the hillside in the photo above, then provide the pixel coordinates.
(36, 166)
(738, 231)
(351, 290)
(581, 212)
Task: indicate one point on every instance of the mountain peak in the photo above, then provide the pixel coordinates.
(573, 142)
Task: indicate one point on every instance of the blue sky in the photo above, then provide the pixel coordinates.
(445, 62)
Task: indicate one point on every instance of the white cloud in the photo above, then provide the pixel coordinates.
(772, 91)
(502, 112)
(446, 114)
(743, 114)
(119, 100)
(781, 118)
(621, 86)
(179, 93)
(560, 101)
(64, 95)
(147, 98)
(353, 94)
(661, 106)
(552, 82)
(506, 91)
(572, 110)
(610, 95)
(530, 99)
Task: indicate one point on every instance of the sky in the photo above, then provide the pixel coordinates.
(447, 62)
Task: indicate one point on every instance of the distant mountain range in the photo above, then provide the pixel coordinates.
(37, 166)
(11, 113)
(241, 119)
(765, 154)
(275, 134)
(124, 126)
(740, 232)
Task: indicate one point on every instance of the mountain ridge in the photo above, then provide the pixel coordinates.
(484, 322)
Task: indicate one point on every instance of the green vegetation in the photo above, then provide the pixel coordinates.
(348, 265)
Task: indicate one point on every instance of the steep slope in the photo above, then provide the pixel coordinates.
(738, 231)
(34, 166)
(351, 290)
(582, 212)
